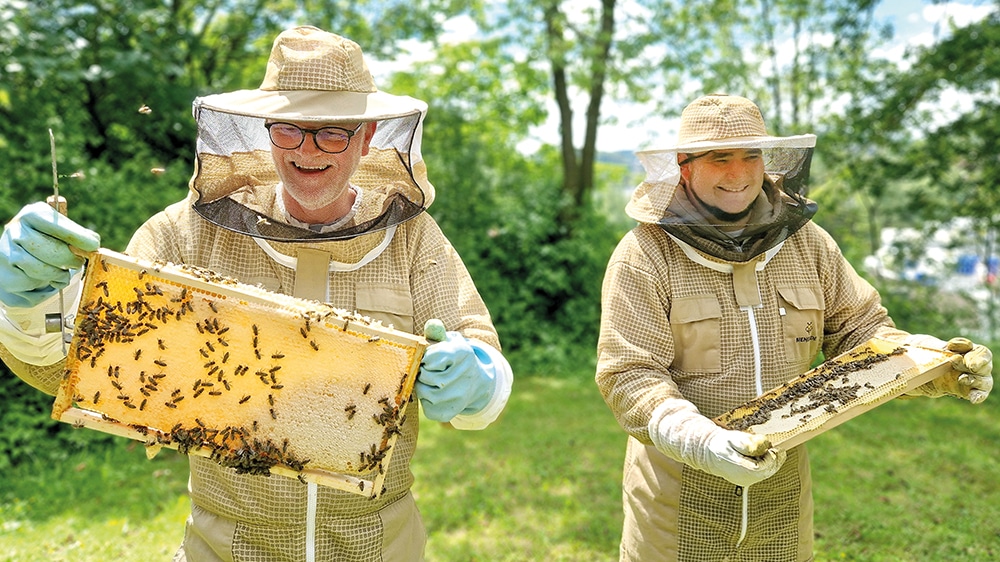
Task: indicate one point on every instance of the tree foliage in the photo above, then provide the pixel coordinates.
(535, 229)
(501, 208)
(84, 69)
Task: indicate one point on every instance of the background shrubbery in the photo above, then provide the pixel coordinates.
(536, 249)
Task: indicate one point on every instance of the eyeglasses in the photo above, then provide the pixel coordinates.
(333, 140)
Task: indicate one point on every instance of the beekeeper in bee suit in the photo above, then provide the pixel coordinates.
(311, 185)
(725, 290)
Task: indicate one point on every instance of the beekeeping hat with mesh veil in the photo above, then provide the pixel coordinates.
(311, 76)
(718, 122)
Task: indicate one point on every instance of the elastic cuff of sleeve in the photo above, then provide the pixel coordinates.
(503, 379)
(22, 330)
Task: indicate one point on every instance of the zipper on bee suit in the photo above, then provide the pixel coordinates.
(759, 388)
(311, 493)
(311, 281)
(744, 494)
(748, 299)
(758, 376)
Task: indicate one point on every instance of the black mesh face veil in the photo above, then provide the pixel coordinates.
(789, 169)
(778, 213)
(236, 182)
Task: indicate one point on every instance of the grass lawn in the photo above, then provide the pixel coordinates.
(109, 504)
(913, 480)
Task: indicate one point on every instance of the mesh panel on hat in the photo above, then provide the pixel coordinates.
(786, 166)
(317, 60)
(720, 117)
(783, 209)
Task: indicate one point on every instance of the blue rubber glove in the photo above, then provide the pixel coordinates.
(35, 256)
(456, 375)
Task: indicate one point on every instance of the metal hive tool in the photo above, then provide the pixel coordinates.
(264, 383)
(836, 391)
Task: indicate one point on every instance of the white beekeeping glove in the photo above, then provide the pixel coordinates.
(971, 375)
(681, 432)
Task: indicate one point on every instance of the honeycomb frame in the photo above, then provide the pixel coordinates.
(180, 357)
(836, 391)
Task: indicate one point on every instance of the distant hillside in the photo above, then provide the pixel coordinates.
(623, 157)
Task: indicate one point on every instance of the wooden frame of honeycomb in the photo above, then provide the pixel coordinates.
(836, 391)
(180, 357)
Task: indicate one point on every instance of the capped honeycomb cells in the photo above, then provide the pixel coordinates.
(191, 360)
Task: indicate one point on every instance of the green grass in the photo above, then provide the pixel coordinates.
(913, 480)
(108, 504)
(543, 483)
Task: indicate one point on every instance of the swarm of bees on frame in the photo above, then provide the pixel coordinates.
(142, 383)
(820, 388)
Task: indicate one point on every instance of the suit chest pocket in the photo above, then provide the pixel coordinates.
(388, 303)
(801, 311)
(696, 325)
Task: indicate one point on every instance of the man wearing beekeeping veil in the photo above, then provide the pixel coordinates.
(310, 185)
(725, 290)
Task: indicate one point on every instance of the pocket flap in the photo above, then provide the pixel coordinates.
(385, 298)
(695, 308)
(803, 298)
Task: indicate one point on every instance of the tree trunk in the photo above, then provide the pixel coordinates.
(554, 29)
(578, 173)
(599, 73)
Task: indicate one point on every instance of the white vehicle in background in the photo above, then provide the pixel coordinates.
(954, 258)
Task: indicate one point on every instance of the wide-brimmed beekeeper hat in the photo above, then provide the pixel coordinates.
(716, 122)
(719, 122)
(312, 76)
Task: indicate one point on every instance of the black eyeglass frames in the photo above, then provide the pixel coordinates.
(288, 136)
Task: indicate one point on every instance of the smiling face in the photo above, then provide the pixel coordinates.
(315, 183)
(724, 183)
